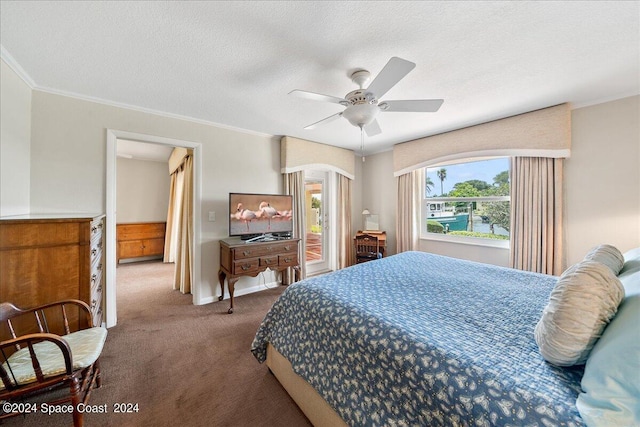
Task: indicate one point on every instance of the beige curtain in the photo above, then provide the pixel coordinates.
(536, 215)
(182, 279)
(345, 244)
(173, 215)
(294, 185)
(408, 211)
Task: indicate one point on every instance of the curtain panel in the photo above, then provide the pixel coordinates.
(294, 185)
(184, 242)
(537, 215)
(408, 210)
(345, 242)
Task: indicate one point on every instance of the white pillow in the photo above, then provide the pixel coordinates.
(581, 304)
(608, 255)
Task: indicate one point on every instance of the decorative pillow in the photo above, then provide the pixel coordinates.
(608, 255)
(631, 262)
(611, 381)
(581, 304)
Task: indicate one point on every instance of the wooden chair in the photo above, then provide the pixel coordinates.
(367, 248)
(36, 363)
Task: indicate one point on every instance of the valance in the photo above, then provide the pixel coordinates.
(177, 157)
(299, 154)
(540, 133)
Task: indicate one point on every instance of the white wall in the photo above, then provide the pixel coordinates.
(604, 170)
(15, 142)
(142, 190)
(602, 178)
(68, 166)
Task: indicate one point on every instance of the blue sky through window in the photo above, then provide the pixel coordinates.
(483, 170)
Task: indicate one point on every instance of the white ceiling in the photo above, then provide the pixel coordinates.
(234, 63)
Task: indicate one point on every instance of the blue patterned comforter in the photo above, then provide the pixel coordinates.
(421, 339)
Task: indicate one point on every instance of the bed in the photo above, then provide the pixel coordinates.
(418, 339)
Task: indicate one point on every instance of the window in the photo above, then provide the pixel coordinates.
(467, 202)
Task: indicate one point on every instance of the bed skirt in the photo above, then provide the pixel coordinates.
(306, 397)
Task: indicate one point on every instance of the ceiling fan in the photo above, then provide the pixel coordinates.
(363, 105)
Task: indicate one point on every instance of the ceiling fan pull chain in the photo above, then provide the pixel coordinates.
(362, 143)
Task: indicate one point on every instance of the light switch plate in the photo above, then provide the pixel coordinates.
(212, 216)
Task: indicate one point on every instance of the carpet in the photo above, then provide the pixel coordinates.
(172, 363)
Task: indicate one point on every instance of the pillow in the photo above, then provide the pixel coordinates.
(581, 304)
(608, 255)
(631, 262)
(611, 380)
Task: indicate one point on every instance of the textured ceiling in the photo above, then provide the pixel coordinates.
(234, 63)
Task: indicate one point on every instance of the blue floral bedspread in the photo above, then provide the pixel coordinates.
(418, 339)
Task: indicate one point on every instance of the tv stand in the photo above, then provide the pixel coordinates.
(238, 259)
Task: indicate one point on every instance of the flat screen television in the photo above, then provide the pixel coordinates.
(260, 216)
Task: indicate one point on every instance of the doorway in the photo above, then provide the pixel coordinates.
(318, 222)
(110, 286)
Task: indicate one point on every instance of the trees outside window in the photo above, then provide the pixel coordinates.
(474, 203)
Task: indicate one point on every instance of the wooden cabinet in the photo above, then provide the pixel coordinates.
(47, 258)
(238, 259)
(141, 239)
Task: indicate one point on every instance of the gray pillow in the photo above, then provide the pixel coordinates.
(581, 304)
(608, 255)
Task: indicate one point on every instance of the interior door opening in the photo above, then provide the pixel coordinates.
(317, 222)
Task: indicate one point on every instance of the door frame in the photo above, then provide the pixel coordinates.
(111, 315)
(328, 177)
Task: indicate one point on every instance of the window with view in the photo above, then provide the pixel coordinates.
(469, 200)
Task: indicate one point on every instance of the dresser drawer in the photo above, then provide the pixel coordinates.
(246, 266)
(250, 252)
(288, 260)
(269, 261)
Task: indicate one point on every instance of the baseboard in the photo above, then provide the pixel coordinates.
(239, 292)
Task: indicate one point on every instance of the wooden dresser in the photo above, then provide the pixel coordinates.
(140, 239)
(238, 259)
(47, 258)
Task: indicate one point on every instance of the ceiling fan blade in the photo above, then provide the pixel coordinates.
(414, 105)
(325, 120)
(373, 128)
(318, 96)
(391, 74)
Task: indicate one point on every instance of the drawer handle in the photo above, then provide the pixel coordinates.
(94, 229)
(93, 303)
(99, 266)
(99, 290)
(246, 267)
(288, 259)
(94, 251)
(246, 253)
(93, 278)
(287, 248)
(268, 261)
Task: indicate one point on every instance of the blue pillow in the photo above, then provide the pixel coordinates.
(611, 381)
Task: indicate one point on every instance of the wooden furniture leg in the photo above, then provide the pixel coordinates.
(221, 277)
(231, 281)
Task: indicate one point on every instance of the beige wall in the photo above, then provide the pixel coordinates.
(602, 178)
(142, 190)
(602, 186)
(68, 166)
(379, 195)
(15, 142)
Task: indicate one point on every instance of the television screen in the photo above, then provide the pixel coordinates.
(257, 214)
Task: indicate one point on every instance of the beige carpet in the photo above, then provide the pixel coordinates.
(183, 365)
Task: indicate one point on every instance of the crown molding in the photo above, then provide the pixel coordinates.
(149, 111)
(13, 64)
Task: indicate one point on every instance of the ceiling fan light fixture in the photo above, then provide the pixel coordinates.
(361, 114)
